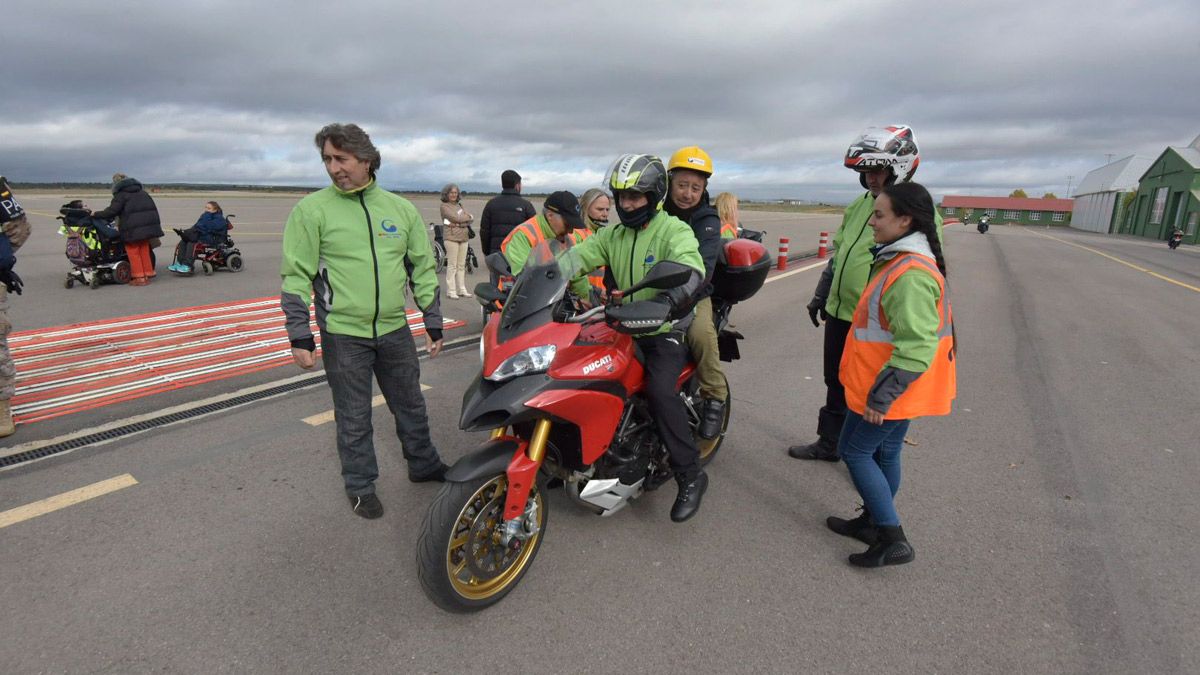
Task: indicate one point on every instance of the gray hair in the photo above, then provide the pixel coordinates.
(352, 139)
(446, 191)
(118, 177)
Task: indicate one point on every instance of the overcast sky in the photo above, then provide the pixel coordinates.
(1000, 94)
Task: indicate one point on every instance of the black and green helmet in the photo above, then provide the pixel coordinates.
(640, 173)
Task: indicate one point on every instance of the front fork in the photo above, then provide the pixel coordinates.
(522, 470)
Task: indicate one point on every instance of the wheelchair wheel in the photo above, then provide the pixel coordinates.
(94, 282)
(69, 283)
(234, 263)
(439, 258)
(122, 273)
(208, 268)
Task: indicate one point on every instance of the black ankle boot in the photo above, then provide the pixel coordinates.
(687, 502)
(891, 548)
(859, 528)
(822, 448)
(712, 418)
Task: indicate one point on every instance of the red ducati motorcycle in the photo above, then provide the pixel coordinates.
(560, 391)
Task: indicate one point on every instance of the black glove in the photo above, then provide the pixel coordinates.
(817, 306)
(11, 281)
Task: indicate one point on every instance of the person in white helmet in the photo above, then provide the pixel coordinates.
(881, 156)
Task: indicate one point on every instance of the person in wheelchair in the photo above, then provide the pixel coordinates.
(211, 230)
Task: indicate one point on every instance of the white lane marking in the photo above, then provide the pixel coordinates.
(806, 268)
(62, 501)
(327, 416)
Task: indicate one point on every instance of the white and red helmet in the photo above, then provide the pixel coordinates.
(892, 146)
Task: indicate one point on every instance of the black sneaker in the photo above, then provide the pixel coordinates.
(438, 475)
(712, 416)
(368, 506)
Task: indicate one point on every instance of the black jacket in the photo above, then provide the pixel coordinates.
(135, 210)
(706, 225)
(500, 215)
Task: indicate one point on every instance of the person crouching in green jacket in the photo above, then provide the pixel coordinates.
(354, 248)
(648, 235)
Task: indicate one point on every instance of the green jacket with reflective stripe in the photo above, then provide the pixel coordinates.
(911, 307)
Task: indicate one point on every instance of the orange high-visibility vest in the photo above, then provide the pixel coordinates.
(869, 347)
(729, 231)
(596, 276)
(528, 229)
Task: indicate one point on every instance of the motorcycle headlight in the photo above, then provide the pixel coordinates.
(532, 360)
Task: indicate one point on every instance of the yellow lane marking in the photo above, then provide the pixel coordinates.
(806, 268)
(327, 416)
(42, 213)
(62, 501)
(1123, 262)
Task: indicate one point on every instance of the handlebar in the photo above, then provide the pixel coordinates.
(584, 317)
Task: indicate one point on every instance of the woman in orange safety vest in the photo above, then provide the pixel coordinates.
(898, 364)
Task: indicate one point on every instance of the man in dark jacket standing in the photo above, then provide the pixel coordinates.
(137, 219)
(504, 212)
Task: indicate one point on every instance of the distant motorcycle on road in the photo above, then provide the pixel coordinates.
(983, 225)
(1175, 240)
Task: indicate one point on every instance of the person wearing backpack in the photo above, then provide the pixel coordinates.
(15, 233)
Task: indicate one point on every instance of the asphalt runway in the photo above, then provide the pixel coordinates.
(1052, 514)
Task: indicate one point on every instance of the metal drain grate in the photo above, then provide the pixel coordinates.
(182, 415)
(154, 422)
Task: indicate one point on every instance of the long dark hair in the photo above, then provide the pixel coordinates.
(913, 200)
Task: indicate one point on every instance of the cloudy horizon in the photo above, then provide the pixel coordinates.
(1000, 95)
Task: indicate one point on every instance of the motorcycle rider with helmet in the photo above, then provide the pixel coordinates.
(881, 156)
(687, 199)
(647, 235)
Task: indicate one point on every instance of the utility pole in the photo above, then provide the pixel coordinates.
(1108, 158)
(1069, 179)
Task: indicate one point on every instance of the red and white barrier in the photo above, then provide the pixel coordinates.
(823, 245)
(783, 253)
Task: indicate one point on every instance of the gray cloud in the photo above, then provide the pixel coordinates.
(1002, 95)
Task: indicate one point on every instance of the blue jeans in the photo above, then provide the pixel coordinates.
(872, 453)
(392, 359)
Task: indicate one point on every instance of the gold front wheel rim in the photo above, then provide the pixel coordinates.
(473, 553)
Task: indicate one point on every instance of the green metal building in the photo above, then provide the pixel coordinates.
(1012, 210)
(1168, 196)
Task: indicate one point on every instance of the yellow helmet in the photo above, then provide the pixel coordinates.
(692, 158)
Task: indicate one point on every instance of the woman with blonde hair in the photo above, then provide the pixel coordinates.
(456, 224)
(594, 205)
(727, 211)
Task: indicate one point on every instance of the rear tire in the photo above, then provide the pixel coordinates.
(462, 568)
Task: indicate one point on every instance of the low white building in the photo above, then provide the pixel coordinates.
(1100, 198)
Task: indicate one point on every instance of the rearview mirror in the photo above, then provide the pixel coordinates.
(487, 293)
(665, 274)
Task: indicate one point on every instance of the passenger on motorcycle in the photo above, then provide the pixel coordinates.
(646, 236)
(687, 199)
(559, 223)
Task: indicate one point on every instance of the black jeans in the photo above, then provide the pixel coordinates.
(349, 364)
(833, 413)
(666, 354)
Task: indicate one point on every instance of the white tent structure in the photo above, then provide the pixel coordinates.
(1098, 200)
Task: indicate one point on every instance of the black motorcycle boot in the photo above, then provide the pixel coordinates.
(712, 418)
(822, 448)
(892, 548)
(859, 528)
(687, 502)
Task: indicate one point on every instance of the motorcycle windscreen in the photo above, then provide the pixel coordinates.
(539, 286)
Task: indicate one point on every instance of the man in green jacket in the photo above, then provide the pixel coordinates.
(648, 235)
(354, 248)
(881, 156)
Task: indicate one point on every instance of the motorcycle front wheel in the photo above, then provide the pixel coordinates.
(462, 563)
